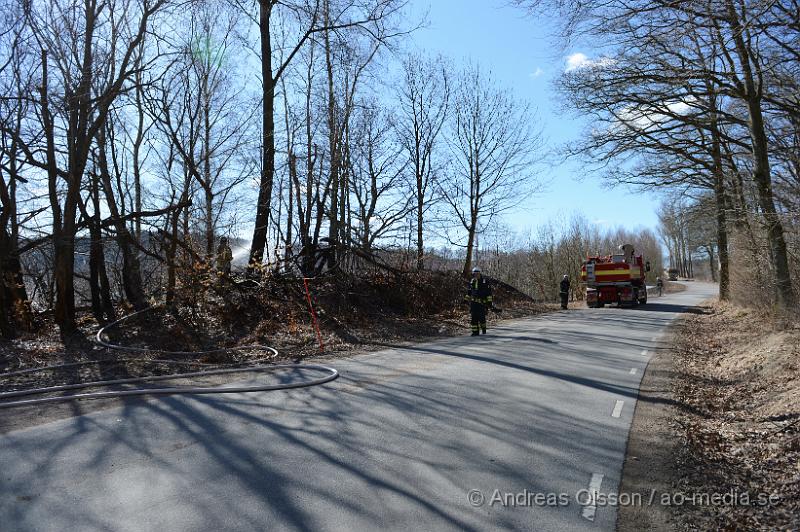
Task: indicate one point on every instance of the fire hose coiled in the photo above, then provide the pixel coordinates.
(329, 374)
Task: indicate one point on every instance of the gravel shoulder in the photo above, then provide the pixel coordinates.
(649, 468)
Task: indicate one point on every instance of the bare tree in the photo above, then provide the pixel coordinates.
(87, 61)
(495, 148)
(309, 18)
(675, 234)
(377, 166)
(748, 79)
(14, 306)
(424, 98)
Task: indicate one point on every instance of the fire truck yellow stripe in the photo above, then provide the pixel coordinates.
(612, 272)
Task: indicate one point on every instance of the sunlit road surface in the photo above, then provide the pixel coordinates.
(516, 430)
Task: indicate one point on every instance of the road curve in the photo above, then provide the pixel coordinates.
(509, 431)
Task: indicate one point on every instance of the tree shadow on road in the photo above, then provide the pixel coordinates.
(627, 391)
(285, 459)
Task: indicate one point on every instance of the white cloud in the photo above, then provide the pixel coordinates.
(576, 61)
(652, 116)
(579, 60)
(679, 108)
(538, 72)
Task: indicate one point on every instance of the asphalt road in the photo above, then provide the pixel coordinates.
(539, 409)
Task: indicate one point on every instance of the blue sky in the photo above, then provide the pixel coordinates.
(521, 56)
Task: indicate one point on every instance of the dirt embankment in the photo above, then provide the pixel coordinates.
(719, 414)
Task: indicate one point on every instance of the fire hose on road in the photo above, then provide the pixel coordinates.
(329, 374)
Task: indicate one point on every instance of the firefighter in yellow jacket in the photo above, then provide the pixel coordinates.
(479, 296)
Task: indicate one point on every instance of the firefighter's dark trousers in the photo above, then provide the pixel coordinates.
(477, 312)
(564, 298)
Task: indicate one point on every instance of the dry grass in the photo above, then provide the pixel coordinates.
(739, 381)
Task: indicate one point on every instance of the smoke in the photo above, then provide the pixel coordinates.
(240, 255)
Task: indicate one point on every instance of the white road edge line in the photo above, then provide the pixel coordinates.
(633, 371)
(617, 409)
(644, 352)
(590, 509)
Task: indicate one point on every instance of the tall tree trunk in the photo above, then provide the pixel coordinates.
(419, 174)
(186, 227)
(131, 270)
(15, 312)
(137, 145)
(306, 239)
(470, 246)
(94, 275)
(420, 244)
(287, 251)
(8, 203)
(7, 328)
(209, 192)
(63, 240)
(259, 242)
(210, 237)
(712, 265)
(720, 203)
(722, 223)
(64, 268)
(333, 146)
(95, 245)
(783, 293)
(97, 263)
(172, 248)
(14, 302)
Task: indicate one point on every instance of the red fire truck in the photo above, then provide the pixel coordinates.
(618, 278)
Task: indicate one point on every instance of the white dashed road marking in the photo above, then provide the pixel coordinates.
(590, 509)
(617, 409)
(633, 371)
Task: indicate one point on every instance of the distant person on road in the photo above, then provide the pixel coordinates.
(563, 291)
(224, 256)
(479, 297)
(659, 285)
